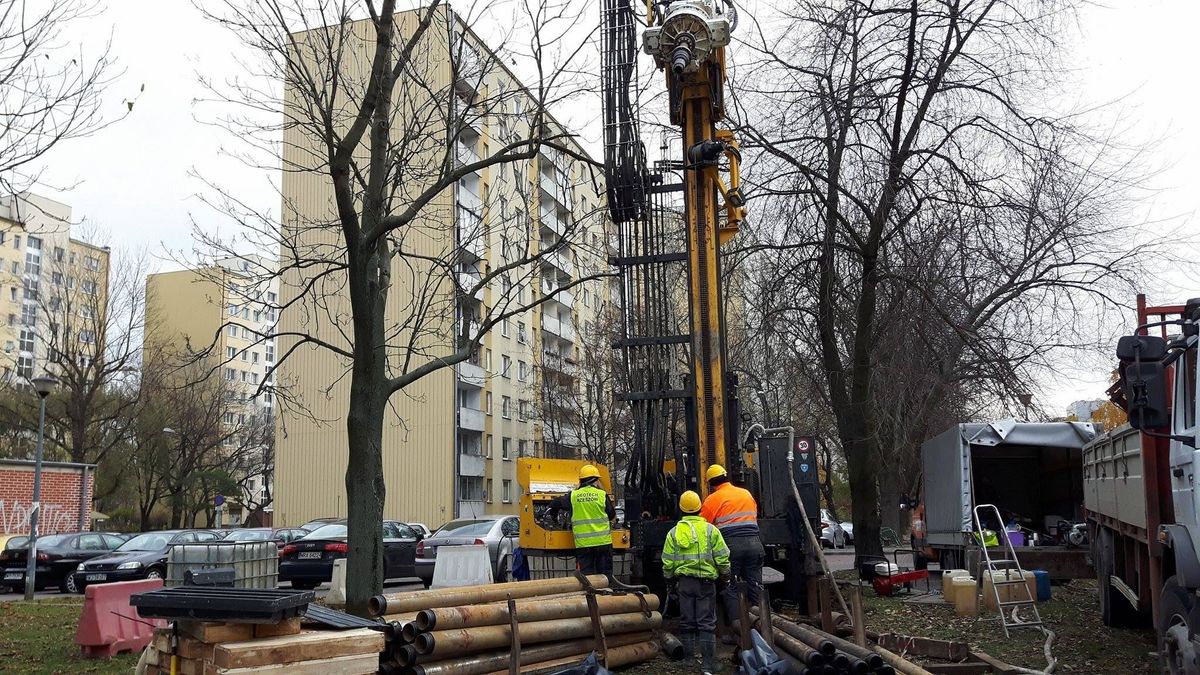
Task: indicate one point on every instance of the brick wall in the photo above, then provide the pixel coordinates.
(60, 497)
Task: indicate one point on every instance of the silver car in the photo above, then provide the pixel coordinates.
(499, 533)
(832, 534)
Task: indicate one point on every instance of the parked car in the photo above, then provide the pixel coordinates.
(308, 562)
(144, 556)
(320, 522)
(498, 532)
(422, 529)
(832, 534)
(57, 557)
(848, 528)
(280, 535)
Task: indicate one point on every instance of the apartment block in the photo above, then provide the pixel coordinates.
(226, 314)
(451, 440)
(53, 287)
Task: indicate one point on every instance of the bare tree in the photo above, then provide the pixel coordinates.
(50, 92)
(905, 158)
(388, 149)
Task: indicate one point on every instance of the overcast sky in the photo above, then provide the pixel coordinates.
(134, 179)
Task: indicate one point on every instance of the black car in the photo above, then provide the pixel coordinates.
(308, 561)
(320, 522)
(280, 535)
(57, 557)
(142, 557)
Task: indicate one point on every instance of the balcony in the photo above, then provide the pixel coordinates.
(465, 151)
(467, 281)
(471, 375)
(556, 362)
(561, 329)
(470, 419)
(560, 262)
(470, 233)
(552, 224)
(553, 190)
(471, 465)
(563, 298)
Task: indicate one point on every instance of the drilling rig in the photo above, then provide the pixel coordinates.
(686, 413)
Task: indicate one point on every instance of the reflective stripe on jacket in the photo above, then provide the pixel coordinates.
(694, 548)
(589, 521)
(733, 510)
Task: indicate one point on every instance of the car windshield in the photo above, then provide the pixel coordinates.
(52, 540)
(328, 531)
(150, 541)
(466, 528)
(248, 535)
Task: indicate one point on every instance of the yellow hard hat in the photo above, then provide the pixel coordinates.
(689, 502)
(588, 471)
(715, 471)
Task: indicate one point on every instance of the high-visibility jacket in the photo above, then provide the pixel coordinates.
(733, 510)
(695, 548)
(589, 521)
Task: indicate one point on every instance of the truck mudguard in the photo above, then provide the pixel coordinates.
(1187, 563)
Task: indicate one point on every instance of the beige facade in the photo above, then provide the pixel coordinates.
(451, 440)
(223, 311)
(50, 285)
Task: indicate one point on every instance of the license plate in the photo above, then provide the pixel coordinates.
(310, 555)
(95, 577)
(13, 576)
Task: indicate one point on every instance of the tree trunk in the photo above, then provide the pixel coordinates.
(365, 492)
(889, 493)
(862, 467)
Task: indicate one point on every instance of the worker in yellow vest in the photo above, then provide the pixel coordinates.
(695, 557)
(592, 512)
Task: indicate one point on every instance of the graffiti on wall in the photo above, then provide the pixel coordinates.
(15, 515)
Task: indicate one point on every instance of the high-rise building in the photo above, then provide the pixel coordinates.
(452, 438)
(222, 315)
(53, 288)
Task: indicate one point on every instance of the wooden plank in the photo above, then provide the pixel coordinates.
(978, 668)
(826, 605)
(217, 632)
(305, 646)
(996, 664)
(938, 649)
(856, 608)
(152, 656)
(188, 648)
(345, 665)
(285, 627)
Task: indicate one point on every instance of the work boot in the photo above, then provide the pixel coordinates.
(689, 646)
(708, 652)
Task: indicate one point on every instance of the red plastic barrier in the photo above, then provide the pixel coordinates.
(109, 625)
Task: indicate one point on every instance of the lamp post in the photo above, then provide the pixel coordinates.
(1025, 400)
(43, 385)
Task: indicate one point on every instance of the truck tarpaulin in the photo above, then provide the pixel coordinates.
(949, 490)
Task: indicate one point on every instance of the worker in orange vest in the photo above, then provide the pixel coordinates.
(735, 513)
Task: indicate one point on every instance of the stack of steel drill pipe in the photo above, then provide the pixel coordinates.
(438, 644)
(414, 601)
(479, 664)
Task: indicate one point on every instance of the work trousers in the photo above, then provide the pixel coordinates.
(746, 556)
(697, 605)
(594, 560)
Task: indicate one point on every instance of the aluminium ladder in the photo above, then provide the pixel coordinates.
(1008, 567)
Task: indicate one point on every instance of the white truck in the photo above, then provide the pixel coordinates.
(1140, 495)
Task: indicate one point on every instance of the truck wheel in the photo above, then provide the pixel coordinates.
(1176, 651)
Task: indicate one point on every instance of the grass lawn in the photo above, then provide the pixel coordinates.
(39, 637)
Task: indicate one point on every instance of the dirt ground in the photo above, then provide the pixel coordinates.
(1082, 645)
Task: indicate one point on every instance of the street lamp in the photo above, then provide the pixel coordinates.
(43, 385)
(1025, 400)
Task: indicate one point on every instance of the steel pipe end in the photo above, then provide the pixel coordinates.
(425, 619)
(409, 632)
(423, 643)
(406, 655)
(376, 605)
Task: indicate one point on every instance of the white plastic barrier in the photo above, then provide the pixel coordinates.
(468, 565)
(337, 584)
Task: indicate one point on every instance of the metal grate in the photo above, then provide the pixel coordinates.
(332, 618)
(229, 605)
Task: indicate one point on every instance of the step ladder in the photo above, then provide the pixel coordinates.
(1009, 566)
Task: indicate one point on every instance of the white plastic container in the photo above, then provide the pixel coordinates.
(948, 577)
(886, 569)
(255, 563)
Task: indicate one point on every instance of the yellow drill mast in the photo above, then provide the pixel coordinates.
(687, 39)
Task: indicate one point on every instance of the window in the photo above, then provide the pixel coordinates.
(245, 333)
(270, 354)
(487, 360)
(522, 448)
(57, 278)
(59, 253)
(1187, 390)
(9, 346)
(25, 366)
(3, 236)
(488, 493)
(244, 375)
(522, 370)
(487, 403)
(91, 263)
(506, 448)
(28, 315)
(233, 330)
(230, 374)
(16, 241)
(228, 418)
(470, 488)
(271, 297)
(257, 315)
(505, 366)
(16, 267)
(12, 292)
(505, 407)
(89, 286)
(26, 340)
(254, 378)
(487, 446)
(87, 337)
(521, 332)
(507, 497)
(523, 410)
(505, 330)
(254, 357)
(245, 312)
(230, 352)
(233, 310)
